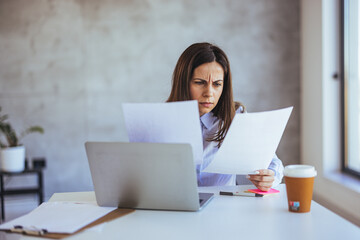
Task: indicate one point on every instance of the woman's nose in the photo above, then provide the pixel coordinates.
(208, 91)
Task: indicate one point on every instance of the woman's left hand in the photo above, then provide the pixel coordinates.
(263, 180)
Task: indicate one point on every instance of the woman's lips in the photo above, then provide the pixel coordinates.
(206, 104)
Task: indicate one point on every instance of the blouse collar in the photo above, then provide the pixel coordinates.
(208, 120)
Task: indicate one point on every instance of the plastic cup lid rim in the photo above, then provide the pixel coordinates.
(299, 171)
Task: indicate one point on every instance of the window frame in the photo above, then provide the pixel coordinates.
(343, 80)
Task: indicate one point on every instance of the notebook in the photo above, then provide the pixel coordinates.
(159, 176)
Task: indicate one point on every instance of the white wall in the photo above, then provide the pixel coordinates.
(320, 112)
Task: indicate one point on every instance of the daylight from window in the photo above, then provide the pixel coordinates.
(352, 85)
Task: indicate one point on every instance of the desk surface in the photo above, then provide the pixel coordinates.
(225, 217)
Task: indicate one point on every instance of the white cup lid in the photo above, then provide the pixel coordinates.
(300, 171)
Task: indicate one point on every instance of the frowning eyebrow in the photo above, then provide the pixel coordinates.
(206, 80)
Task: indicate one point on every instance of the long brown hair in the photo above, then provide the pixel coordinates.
(194, 56)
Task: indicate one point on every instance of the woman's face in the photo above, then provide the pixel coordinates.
(207, 85)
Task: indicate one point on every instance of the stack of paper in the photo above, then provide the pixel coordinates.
(58, 217)
(251, 142)
(249, 145)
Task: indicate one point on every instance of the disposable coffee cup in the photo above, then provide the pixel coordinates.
(299, 181)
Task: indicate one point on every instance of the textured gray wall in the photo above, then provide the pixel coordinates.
(69, 64)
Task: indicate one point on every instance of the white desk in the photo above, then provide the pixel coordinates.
(225, 217)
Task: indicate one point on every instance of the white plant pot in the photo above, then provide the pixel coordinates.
(12, 159)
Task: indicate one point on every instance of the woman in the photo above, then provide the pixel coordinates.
(202, 73)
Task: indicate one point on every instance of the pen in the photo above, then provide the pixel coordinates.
(29, 231)
(245, 194)
(253, 173)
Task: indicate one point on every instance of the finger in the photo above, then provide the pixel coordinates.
(258, 185)
(261, 178)
(264, 189)
(267, 172)
(263, 186)
(262, 175)
(258, 177)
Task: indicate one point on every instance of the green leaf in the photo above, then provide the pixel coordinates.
(10, 134)
(32, 129)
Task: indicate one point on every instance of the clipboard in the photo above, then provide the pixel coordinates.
(39, 232)
(119, 212)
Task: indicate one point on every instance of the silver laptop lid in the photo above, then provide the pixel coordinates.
(143, 175)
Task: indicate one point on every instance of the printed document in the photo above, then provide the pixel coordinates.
(250, 143)
(173, 122)
(59, 217)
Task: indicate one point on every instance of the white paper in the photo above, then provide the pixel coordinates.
(174, 122)
(250, 143)
(59, 217)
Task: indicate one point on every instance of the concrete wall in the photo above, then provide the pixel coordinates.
(67, 65)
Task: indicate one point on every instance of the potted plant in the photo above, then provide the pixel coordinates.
(12, 152)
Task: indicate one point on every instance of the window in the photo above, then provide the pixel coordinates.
(350, 86)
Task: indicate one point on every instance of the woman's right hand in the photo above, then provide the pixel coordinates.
(263, 180)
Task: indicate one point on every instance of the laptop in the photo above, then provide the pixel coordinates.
(159, 176)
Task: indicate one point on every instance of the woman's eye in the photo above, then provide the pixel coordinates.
(217, 84)
(199, 83)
